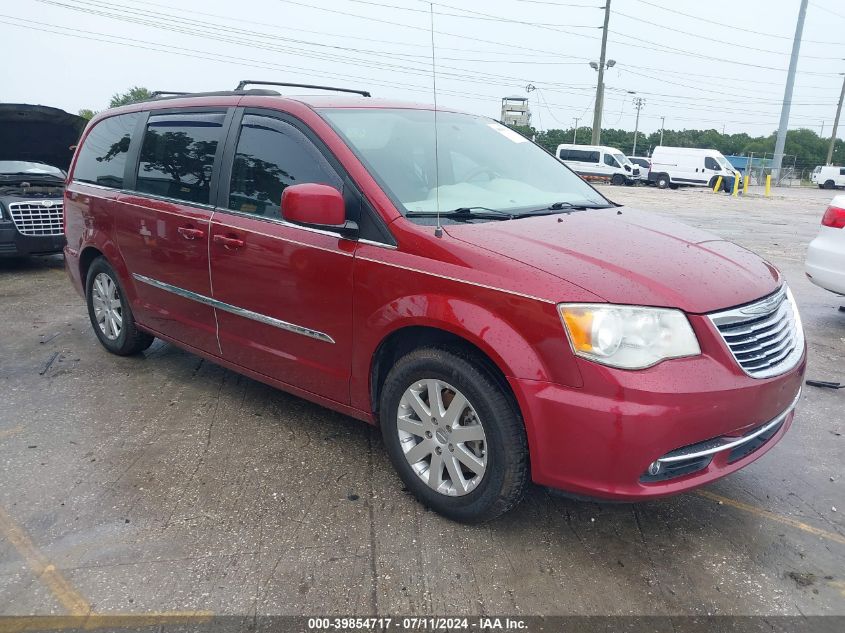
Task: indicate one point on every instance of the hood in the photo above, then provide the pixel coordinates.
(38, 133)
(631, 257)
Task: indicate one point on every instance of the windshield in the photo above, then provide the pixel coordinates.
(621, 159)
(724, 162)
(480, 163)
(8, 167)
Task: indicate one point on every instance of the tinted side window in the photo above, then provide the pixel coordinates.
(610, 161)
(270, 156)
(177, 155)
(102, 157)
(564, 154)
(592, 157)
(842, 172)
(710, 163)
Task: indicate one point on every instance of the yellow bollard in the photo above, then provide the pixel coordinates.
(768, 185)
(746, 183)
(718, 185)
(736, 186)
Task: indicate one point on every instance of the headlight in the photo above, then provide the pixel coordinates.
(625, 336)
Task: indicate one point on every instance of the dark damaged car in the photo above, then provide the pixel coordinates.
(36, 145)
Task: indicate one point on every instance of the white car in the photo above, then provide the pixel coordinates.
(825, 265)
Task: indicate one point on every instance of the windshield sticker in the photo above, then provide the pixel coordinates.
(508, 133)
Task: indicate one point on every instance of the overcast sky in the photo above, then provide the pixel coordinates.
(711, 64)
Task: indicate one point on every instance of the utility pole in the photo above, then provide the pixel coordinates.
(777, 161)
(638, 102)
(575, 131)
(662, 125)
(835, 125)
(600, 87)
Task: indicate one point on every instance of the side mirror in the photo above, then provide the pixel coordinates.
(319, 206)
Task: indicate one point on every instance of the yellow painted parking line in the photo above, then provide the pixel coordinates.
(4, 433)
(43, 569)
(767, 514)
(95, 621)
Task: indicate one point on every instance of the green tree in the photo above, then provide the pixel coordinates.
(87, 113)
(133, 95)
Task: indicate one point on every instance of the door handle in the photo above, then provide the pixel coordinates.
(228, 242)
(190, 234)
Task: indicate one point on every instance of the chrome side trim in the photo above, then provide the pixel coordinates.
(389, 247)
(241, 312)
(675, 456)
(462, 281)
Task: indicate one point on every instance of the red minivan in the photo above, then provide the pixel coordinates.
(439, 275)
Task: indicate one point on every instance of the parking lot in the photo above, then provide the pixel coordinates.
(164, 484)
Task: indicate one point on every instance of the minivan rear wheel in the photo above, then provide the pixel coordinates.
(453, 435)
(109, 311)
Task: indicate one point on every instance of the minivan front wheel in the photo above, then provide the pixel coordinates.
(453, 435)
(110, 314)
(618, 180)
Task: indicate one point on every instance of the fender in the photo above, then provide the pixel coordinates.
(511, 344)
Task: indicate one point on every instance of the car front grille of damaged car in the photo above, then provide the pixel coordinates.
(39, 217)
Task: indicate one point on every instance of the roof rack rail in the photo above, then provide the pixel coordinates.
(166, 93)
(247, 82)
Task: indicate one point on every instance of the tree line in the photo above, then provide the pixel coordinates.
(808, 148)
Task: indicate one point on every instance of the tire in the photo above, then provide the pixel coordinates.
(662, 181)
(673, 186)
(712, 182)
(618, 179)
(106, 299)
(504, 448)
(830, 185)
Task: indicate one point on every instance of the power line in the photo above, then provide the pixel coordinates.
(710, 38)
(675, 11)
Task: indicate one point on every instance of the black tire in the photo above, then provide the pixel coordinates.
(505, 476)
(618, 179)
(662, 181)
(130, 340)
(712, 182)
(674, 186)
(830, 185)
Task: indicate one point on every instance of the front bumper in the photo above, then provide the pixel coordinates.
(599, 440)
(13, 244)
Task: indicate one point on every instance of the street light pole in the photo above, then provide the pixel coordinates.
(662, 125)
(835, 125)
(638, 101)
(575, 131)
(777, 161)
(600, 87)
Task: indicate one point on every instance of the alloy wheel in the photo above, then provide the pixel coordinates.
(108, 309)
(442, 437)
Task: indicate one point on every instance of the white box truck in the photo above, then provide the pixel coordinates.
(686, 166)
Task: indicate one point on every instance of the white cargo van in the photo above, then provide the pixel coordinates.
(830, 177)
(599, 162)
(677, 166)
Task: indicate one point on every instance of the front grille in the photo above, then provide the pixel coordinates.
(765, 337)
(40, 217)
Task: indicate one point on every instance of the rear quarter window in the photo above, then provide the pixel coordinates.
(102, 157)
(178, 154)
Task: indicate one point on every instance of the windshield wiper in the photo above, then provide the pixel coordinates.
(464, 213)
(563, 206)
